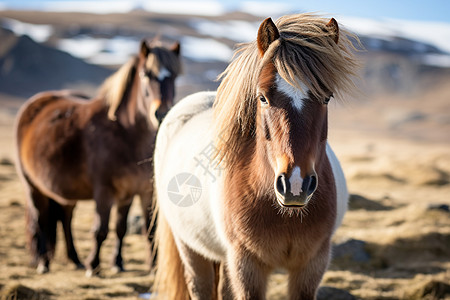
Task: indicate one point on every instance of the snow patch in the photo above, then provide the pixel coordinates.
(114, 51)
(199, 49)
(434, 33)
(235, 30)
(39, 33)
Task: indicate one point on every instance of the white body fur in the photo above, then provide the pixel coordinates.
(184, 134)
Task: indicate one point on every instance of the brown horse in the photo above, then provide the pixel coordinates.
(245, 178)
(72, 149)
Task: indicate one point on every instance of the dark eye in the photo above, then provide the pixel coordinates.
(263, 100)
(328, 99)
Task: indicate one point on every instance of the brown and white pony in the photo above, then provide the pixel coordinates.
(245, 178)
(72, 149)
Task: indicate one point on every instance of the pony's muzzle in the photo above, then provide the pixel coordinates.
(160, 115)
(288, 192)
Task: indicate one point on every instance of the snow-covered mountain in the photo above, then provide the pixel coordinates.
(429, 40)
(398, 53)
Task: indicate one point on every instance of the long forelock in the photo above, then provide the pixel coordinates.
(161, 58)
(309, 54)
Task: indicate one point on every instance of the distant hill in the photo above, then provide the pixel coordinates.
(27, 67)
(394, 61)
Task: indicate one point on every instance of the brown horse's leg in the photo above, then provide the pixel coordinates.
(147, 212)
(66, 220)
(198, 272)
(148, 229)
(248, 275)
(304, 282)
(123, 208)
(104, 201)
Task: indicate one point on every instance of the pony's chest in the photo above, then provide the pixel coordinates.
(278, 240)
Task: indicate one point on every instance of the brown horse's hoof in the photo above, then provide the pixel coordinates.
(117, 269)
(42, 269)
(92, 272)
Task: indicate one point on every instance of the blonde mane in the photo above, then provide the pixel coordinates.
(115, 88)
(305, 51)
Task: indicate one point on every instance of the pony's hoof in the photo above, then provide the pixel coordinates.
(42, 269)
(117, 269)
(79, 266)
(92, 272)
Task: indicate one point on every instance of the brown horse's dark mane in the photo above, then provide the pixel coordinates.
(305, 51)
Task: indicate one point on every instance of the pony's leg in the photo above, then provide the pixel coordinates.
(148, 229)
(247, 274)
(147, 213)
(224, 286)
(304, 282)
(66, 220)
(104, 201)
(198, 272)
(123, 208)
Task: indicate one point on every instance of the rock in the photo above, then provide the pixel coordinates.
(21, 292)
(351, 250)
(440, 207)
(359, 202)
(331, 293)
(6, 162)
(431, 290)
(15, 203)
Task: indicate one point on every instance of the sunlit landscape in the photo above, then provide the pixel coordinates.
(391, 136)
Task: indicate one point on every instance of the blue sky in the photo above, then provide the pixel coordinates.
(423, 10)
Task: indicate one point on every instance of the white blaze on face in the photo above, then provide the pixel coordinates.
(296, 181)
(163, 73)
(297, 95)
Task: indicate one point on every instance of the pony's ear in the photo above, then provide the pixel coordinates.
(333, 27)
(267, 33)
(176, 48)
(145, 49)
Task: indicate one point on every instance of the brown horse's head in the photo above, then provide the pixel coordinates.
(158, 69)
(279, 88)
(145, 85)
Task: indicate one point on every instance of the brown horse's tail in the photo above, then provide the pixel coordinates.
(51, 215)
(169, 279)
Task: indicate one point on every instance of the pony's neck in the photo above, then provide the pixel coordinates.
(131, 108)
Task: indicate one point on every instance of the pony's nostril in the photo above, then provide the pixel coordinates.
(309, 184)
(313, 185)
(281, 184)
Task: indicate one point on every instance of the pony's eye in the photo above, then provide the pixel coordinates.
(263, 100)
(328, 99)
